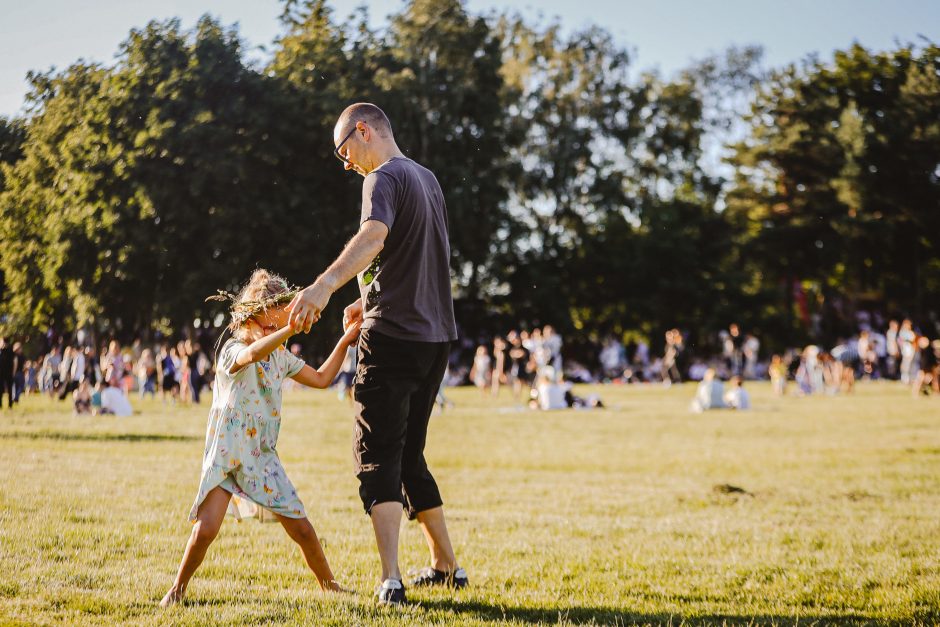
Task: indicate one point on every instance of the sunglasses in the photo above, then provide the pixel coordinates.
(336, 151)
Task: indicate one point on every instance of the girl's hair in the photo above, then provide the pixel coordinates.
(262, 291)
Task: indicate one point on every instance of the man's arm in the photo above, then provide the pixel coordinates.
(356, 256)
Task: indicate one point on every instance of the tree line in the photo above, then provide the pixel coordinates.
(581, 191)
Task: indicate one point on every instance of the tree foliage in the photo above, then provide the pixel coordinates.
(580, 191)
(838, 188)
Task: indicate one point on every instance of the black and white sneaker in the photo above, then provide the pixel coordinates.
(432, 577)
(391, 592)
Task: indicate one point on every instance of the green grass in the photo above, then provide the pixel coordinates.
(573, 517)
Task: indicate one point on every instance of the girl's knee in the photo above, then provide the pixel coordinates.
(302, 532)
(204, 532)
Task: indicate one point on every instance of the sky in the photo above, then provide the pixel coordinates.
(663, 34)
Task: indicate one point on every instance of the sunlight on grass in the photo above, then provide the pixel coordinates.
(620, 516)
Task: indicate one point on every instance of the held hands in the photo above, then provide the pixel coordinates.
(352, 334)
(307, 305)
(352, 314)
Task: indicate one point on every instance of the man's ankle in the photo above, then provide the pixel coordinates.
(444, 566)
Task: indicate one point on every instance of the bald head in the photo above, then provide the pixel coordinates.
(364, 112)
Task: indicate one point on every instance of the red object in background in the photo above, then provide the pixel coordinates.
(799, 294)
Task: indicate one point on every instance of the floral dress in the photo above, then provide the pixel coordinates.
(241, 436)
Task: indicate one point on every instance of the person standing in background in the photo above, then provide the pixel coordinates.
(19, 376)
(6, 372)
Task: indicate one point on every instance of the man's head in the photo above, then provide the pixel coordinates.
(363, 137)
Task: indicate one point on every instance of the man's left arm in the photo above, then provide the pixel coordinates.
(356, 256)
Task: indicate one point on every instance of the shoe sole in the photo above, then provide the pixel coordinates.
(441, 584)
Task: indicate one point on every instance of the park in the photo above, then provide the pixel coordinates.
(621, 516)
(644, 295)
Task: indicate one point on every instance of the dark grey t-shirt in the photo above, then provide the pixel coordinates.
(406, 289)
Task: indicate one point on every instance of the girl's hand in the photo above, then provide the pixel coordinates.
(296, 326)
(352, 314)
(352, 334)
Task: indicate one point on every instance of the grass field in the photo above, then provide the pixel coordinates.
(603, 517)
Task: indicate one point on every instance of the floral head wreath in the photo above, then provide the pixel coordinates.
(243, 310)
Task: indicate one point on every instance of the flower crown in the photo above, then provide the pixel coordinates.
(243, 310)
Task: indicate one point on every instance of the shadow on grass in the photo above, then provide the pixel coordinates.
(616, 616)
(95, 437)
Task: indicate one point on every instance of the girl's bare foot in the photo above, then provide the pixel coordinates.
(333, 586)
(172, 597)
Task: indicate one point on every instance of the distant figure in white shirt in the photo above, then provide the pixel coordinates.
(737, 397)
(114, 401)
(551, 392)
(709, 394)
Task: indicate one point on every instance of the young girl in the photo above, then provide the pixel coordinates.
(240, 456)
(480, 372)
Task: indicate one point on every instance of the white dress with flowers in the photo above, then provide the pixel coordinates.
(241, 437)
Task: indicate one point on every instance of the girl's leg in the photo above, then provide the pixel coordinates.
(208, 521)
(302, 532)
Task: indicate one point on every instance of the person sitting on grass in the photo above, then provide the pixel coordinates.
(82, 399)
(244, 421)
(113, 400)
(553, 392)
(549, 393)
(737, 397)
(709, 394)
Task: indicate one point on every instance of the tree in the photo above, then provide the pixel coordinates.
(837, 185)
(146, 186)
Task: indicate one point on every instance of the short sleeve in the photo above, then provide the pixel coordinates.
(228, 356)
(378, 199)
(292, 363)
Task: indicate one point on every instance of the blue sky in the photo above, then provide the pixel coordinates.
(664, 34)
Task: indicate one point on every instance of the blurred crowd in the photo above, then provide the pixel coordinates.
(100, 380)
(533, 366)
(530, 365)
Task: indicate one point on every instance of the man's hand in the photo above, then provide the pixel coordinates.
(352, 314)
(307, 306)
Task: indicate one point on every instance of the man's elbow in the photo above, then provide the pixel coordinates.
(375, 233)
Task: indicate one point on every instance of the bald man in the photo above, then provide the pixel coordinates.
(401, 255)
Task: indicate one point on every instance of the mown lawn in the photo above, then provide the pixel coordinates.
(613, 516)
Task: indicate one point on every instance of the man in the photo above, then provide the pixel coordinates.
(892, 351)
(19, 376)
(401, 256)
(6, 372)
(737, 349)
(670, 365)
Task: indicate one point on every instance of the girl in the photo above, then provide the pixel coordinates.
(480, 372)
(240, 456)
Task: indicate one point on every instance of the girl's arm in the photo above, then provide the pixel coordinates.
(260, 349)
(322, 377)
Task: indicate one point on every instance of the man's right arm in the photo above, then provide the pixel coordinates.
(356, 257)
